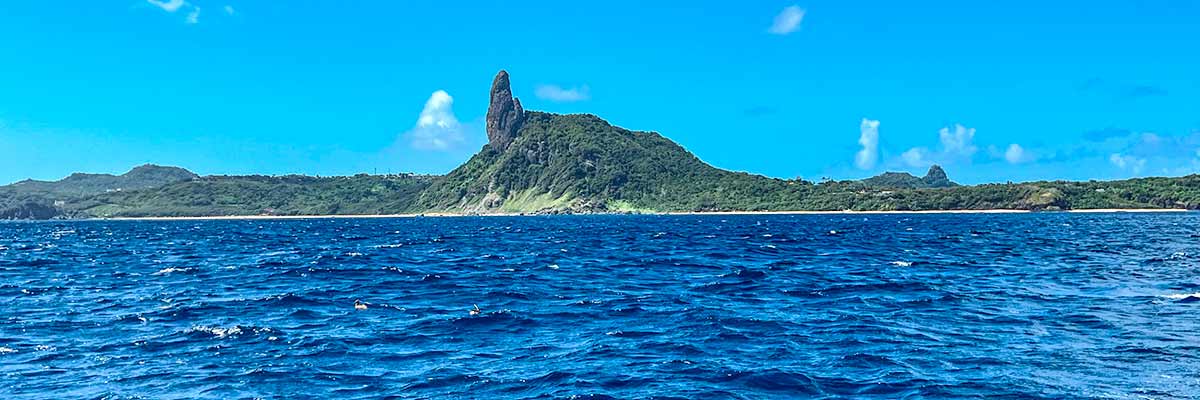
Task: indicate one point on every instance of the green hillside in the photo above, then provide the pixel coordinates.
(581, 163)
(538, 162)
(263, 195)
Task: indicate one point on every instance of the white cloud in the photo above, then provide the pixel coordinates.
(229, 10)
(171, 6)
(168, 5)
(1127, 162)
(1015, 154)
(559, 94)
(916, 157)
(958, 143)
(869, 139)
(194, 16)
(437, 128)
(787, 21)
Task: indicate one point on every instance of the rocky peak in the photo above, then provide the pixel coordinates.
(936, 173)
(936, 177)
(505, 115)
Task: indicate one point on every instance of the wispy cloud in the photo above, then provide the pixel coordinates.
(563, 95)
(194, 16)
(171, 6)
(168, 5)
(229, 10)
(868, 138)
(787, 21)
(1128, 162)
(437, 128)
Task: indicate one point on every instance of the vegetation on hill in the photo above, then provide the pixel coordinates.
(581, 163)
(263, 195)
(31, 199)
(562, 163)
(936, 178)
(142, 177)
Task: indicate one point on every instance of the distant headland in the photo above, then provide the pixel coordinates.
(542, 163)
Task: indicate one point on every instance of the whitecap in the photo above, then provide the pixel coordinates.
(221, 332)
(217, 331)
(6, 350)
(354, 254)
(1181, 296)
(553, 266)
(165, 271)
(902, 263)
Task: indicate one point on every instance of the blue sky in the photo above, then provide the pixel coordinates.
(993, 91)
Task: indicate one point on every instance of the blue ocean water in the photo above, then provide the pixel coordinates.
(789, 306)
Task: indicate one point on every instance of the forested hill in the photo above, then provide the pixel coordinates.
(538, 162)
(32, 199)
(580, 163)
(935, 178)
(142, 177)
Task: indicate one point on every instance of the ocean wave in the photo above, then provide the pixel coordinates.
(701, 312)
(221, 332)
(1182, 296)
(171, 270)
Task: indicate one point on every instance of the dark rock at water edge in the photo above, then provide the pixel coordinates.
(505, 115)
(29, 210)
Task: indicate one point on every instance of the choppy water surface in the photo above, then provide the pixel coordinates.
(921, 306)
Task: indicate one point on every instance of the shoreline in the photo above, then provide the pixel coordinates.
(672, 213)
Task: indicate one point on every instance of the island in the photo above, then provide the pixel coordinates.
(543, 163)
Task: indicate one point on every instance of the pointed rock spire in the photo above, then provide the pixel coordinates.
(505, 115)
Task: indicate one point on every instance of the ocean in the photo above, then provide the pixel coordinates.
(1048, 305)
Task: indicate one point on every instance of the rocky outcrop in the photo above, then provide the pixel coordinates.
(29, 210)
(505, 115)
(936, 178)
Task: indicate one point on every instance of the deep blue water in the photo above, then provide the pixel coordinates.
(887, 306)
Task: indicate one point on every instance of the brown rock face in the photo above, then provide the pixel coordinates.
(505, 115)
